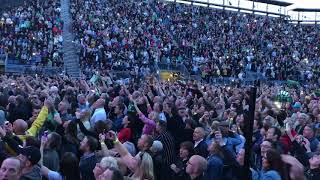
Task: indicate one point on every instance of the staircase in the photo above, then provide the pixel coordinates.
(69, 49)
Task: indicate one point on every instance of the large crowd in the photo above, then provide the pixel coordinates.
(32, 33)
(209, 42)
(60, 128)
(143, 128)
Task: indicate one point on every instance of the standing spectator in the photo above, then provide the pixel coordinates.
(118, 111)
(179, 168)
(11, 169)
(313, 172)
(50, 155)
(168, 143)
(69, 169)
(105, 163)
(30, 157)
(141, 165)
(273, 167)
(99, 112)
(200, 146)
(112, 174)
(309, 133)
(196, 167)
(274, 135)
(158, 159)
(88, 161)
(215, 162)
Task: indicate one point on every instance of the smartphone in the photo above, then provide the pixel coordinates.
(106, 132)
(301, 139)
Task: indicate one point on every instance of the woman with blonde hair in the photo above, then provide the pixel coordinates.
(145, 167)
(141, 166)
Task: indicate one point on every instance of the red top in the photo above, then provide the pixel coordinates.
(124, 135)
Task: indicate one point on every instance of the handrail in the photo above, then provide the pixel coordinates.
(231, 7)
(29, 69)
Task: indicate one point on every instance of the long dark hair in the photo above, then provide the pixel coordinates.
(71, 133)
(69, 166)
(275, 163)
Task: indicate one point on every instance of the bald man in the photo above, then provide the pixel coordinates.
(20, 127)
(196, 167)
(200, 146)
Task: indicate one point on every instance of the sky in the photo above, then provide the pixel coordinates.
(271, 8)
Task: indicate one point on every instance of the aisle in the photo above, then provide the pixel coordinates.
(70, 57)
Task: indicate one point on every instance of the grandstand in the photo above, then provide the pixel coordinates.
(189, 59)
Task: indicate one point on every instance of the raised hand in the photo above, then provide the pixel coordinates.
(111, 135)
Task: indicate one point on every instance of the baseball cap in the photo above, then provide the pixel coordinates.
(32, 153)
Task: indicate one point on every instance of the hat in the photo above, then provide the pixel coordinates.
(297, 105)
(156, 146)
(2, 117)
(32, 153)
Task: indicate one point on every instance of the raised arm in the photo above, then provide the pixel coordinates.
(37, 124)
(126, 157)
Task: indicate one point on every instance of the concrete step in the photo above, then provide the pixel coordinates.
(70, 56)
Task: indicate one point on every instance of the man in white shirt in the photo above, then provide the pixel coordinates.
(99, 112)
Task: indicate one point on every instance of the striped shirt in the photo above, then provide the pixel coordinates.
(168, 147)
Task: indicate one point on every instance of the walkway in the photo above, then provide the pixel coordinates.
(70, 56)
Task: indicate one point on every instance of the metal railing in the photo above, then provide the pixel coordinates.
(174, 67)
(29, 69)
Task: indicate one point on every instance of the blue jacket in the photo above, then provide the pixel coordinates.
(268, 175)
(215, 168)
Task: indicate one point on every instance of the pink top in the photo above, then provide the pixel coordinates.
(149, 125)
